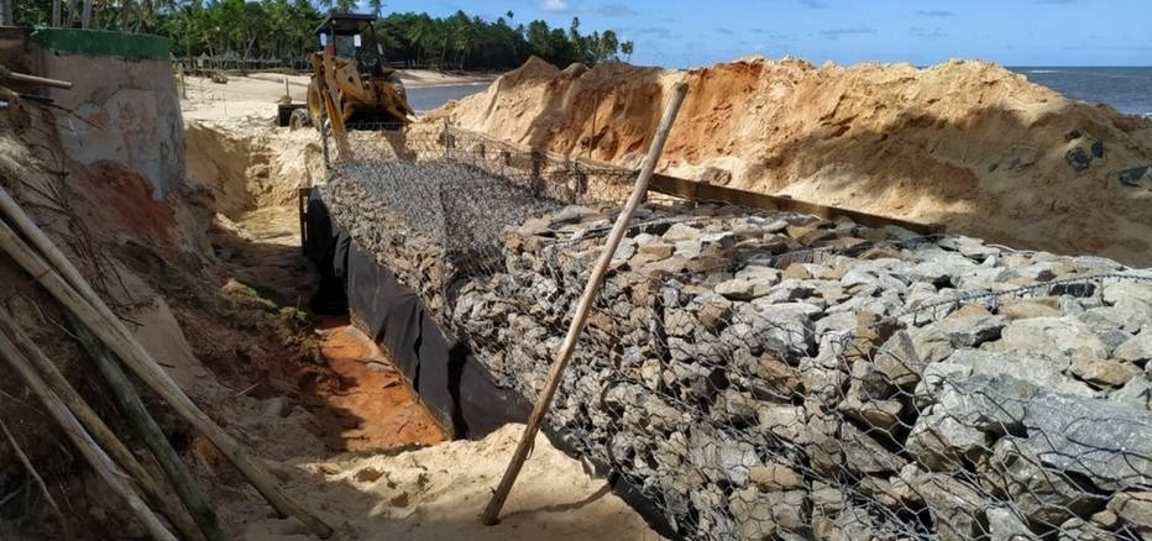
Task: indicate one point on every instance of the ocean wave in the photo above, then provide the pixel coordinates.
(1041, 71)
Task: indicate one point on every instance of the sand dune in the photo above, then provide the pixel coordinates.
(967, 144)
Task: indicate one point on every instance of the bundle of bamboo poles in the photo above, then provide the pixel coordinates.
(143, 481)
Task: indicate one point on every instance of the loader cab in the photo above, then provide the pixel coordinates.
(352, 36)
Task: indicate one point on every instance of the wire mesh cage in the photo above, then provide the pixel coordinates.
(772, 375)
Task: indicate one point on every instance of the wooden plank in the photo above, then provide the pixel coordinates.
(698, 191)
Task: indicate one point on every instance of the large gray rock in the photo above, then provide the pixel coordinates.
(1007, 524)
(1137, 349)
(681, 232)
(744, 289)
(864, 454)
(720, 458)
(1076, 529)
(874, 278)
(761, 514)
(783, 421)
(1109, 445)
(1117, 292)
(1137, 393)
(1046, 496)
(906, 354)
(1127, 315)
(957, 508)
(1052, 337)
(785, 328)
(943, 443)
(1134, 510)
(1035, 369)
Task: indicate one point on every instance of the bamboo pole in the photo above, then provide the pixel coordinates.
(564, 355)
(33, 79)
(36, 476)
(96, 457)
(78, 296)
(10, 333)
(124, 392)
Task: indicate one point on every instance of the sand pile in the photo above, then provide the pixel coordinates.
(248, 165)
(966, 144)
(438, 493)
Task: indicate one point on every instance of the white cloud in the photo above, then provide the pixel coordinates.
(554, 5)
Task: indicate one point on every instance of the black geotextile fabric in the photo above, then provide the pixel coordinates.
(452, 384)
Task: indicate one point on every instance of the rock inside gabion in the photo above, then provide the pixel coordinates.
(775, 375)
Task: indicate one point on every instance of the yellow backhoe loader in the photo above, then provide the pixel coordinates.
(351, 86)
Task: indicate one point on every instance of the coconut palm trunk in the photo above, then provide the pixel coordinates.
(6, 13)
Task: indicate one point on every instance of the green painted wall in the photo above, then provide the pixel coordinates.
(102, 43)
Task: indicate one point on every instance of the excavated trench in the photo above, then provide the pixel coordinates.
(252, 176)
(198, 252)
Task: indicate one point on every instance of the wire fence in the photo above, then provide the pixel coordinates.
(769, 375)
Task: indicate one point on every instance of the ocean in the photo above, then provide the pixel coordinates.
(430, 97)
(1129, 90)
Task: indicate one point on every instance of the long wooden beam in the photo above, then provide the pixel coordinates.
(699, 191)
(693, 190)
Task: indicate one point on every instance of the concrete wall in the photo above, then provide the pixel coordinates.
(125, 101)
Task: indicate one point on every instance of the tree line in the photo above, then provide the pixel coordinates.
(283, 29)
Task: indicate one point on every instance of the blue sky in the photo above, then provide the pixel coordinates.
(679, 33)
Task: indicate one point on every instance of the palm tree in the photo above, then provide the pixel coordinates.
(419, 34)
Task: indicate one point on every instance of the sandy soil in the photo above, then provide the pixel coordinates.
(253, 97)
(966, 144)
(400, 480)
(437, 493)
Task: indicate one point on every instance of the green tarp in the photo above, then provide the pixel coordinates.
(102, 42)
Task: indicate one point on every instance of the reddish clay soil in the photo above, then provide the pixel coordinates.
(382, 411)
(360, 400)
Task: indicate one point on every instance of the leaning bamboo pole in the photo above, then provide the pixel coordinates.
(591, 288)
(77, 295)
(96, 457)
(97, 428)
(130, 404)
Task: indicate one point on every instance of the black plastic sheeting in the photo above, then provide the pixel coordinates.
(455, 388)
(451, 383)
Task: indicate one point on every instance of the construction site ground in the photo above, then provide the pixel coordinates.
(386, 469)
(214, 278)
